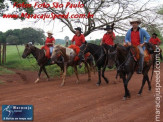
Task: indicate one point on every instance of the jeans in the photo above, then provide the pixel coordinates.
(141, 60)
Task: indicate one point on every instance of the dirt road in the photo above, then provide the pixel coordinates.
(84, 102)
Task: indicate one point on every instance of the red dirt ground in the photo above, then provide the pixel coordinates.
(83, 102)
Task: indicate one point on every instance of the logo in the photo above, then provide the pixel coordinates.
(17, 112)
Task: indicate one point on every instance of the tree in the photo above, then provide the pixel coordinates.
(2, 38)
(12, 39)
(22, 36)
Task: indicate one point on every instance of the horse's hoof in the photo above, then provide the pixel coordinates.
(89, 79)
(48, 79)
(77, 82)
(62, 84)
(114, 82)
(124, 98)
(139, 94)
(149, 89)
(97, 84)
(37, 81)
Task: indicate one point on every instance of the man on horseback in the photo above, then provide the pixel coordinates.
(135, 36)
(50, 41)
(155, 40)
(78, 38)
(109, 36)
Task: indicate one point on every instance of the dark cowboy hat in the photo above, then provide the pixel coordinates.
(109, 27)
(79, 29)
(154, 34)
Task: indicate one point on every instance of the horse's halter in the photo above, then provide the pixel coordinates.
(113, 53)
(59, 53)
(28, 52)
(84, 49)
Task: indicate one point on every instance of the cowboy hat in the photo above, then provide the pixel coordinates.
(79, 29)
(50, 32)
(108, 27)
(154, 34)
(135, 20)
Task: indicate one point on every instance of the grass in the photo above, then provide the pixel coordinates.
(5, 71)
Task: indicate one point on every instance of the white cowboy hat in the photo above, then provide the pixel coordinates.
(135, 20)
(51, 32)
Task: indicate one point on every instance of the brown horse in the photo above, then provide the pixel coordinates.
(39, 55)
(68, 55)
(126, 64)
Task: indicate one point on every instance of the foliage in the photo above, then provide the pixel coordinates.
(22, 36)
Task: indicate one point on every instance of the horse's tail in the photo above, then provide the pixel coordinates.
(153, 66)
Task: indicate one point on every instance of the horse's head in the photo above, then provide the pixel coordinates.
(112, 55)
(150, 47)
(56, 53)
(28, 50)
(83, 51)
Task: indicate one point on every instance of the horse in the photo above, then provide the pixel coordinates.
(100, 56)
(39, 55)
(68, 60)
(126, 64)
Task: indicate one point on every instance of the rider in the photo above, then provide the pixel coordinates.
(50, 41)
(135, 36)
(78, 38)
(155, 40)
(109, 36)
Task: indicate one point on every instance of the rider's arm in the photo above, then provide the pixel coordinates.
(113, 35)
(147, 36)
(159, 41)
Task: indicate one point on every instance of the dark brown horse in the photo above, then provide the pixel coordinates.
(68, 55)
(39, 55)
(126, 65)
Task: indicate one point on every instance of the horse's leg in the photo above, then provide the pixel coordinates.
(64, 75)
(76, 73)
(44, 69)
(125, 81)
(99, 76)
(143, 83)
(149, 83)
(39, 73)
(89, 73)
(103, 71)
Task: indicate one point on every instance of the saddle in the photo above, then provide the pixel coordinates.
(77, 50)
(135, 52)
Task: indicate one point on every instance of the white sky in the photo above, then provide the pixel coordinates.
(6, 24)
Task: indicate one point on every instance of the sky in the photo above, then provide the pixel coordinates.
(55, 26)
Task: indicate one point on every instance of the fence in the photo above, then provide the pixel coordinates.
(2, 53)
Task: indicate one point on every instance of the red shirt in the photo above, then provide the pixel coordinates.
(78, 39)
(135, 38)
(154, 41)
(49, 40)
(107, 39)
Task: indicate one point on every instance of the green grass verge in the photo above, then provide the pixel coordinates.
(5, 71)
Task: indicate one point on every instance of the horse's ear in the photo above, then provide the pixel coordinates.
(115, 46)
(112, 25)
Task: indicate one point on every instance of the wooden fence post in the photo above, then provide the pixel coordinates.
(4, 54)
(0, 54)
